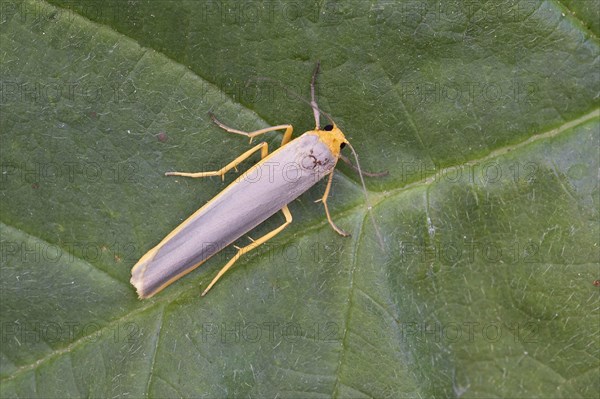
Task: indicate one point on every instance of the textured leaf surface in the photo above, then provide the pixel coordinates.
(486, 116)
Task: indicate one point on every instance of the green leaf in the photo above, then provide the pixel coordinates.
(487, 117)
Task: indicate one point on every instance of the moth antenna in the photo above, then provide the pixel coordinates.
(369, 208)
(365, 173)
(314, 106)
(313, 102)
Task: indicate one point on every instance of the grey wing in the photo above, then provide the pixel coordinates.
(256, 195)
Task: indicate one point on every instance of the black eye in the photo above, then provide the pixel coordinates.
(328, 127)
(342, 145)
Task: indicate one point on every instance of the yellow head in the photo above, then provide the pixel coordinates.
(333, 137)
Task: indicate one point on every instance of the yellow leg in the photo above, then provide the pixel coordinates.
(324, 200)
(286, 136)
(231, 165)
(264, 151)
(248, 248)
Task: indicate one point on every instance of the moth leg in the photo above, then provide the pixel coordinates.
(264, 151)
(324, 200)
(287, 135)
(248, 248)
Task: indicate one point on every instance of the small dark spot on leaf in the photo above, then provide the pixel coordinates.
(162, 137)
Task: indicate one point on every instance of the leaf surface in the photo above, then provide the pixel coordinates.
(486, 116)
